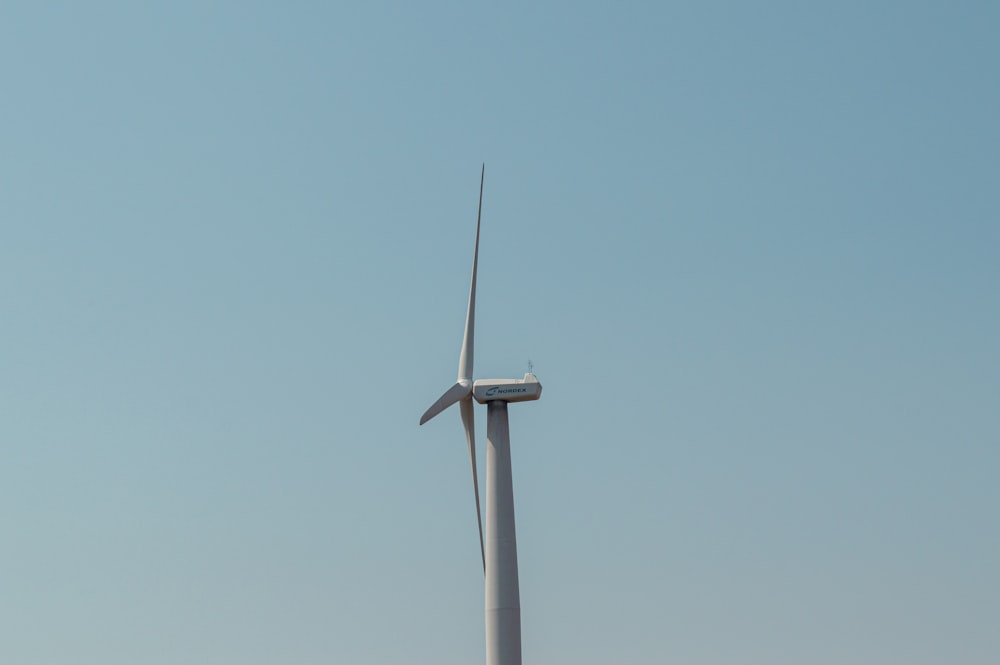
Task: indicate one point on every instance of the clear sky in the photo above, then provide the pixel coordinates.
(752, 252)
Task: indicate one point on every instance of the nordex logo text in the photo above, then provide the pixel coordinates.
(503, 390)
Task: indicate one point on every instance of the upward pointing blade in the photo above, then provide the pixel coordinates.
(465, 357)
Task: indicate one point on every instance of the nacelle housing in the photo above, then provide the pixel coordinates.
(507, 390)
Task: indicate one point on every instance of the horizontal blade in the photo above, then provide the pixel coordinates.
(452, 395)
(469, 422)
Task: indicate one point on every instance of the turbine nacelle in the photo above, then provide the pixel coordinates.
(507, 390)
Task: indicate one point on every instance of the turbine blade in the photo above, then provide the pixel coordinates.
(450, 396)
(469, 421)
(466, 356)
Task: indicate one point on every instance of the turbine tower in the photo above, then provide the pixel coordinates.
(499, 548)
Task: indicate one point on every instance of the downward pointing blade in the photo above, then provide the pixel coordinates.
(456, 392)
(469, 421)
(465, 357)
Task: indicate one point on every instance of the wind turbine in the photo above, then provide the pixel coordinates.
(499, 548)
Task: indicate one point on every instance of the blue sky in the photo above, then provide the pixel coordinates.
(751, 252)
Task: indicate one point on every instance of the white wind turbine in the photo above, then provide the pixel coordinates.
(499, 550)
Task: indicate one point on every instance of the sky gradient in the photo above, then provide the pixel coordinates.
(751, 252)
